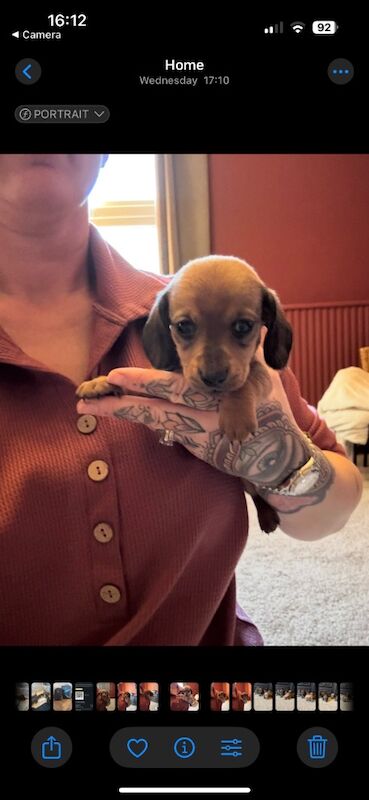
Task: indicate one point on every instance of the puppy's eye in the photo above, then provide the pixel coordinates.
(185, 328)
(241, 327)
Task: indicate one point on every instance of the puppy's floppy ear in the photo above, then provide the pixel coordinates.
(157, 341)
(278, 340)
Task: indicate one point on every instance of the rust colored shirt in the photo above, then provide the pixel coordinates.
(106, 537)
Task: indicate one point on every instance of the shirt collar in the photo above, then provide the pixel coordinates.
(122, 294)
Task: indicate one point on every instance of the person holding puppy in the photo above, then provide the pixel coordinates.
(116, 536)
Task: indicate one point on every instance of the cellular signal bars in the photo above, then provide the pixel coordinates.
(277, 28)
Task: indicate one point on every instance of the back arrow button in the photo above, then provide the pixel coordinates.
(28, 71)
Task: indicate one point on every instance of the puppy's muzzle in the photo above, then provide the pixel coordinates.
(214, 380)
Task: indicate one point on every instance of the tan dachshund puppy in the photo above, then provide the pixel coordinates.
(124, 700)
(102, 700)
(207, 324)
(183, 699)
(217, 700)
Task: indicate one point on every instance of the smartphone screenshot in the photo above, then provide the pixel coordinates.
(184, 402)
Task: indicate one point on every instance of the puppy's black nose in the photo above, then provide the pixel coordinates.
(213, 379)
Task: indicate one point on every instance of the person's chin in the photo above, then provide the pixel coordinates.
(44, 189)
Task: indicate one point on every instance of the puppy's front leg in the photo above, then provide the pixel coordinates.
(237, 414)
(98, 387)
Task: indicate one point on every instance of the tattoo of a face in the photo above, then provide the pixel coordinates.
(288, 505)
(270, 455)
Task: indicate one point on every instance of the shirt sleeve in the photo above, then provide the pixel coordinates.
(307, 416)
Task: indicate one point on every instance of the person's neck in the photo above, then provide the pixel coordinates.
(44, 263)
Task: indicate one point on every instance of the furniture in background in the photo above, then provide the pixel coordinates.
(363, 449)
(327, 337)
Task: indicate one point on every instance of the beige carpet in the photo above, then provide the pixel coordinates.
(309, 593)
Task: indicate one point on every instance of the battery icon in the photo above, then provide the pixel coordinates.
(324, 27)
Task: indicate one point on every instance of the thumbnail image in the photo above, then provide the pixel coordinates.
(84, 696)
(41, 696)
(127, 697)
(346, 696)
(149, 697)
(306, 696)
(22, 696)
(184, 696)
(219, 696)
(328, 697)
(263, 697)
(105, 697)
(62, 696)
(284, 696)
(241, 696)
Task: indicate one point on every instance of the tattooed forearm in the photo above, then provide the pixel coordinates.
(269, 456)
(317, 493)
(275, 450)
(265, 459)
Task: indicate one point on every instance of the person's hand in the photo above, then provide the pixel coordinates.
(164, 401)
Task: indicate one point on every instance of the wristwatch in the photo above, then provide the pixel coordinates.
(301, 480)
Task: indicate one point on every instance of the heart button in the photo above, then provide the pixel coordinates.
(137, 747)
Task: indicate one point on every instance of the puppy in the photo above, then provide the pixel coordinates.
(145, 700)
(217, 700)
(102, 700)
(207, 323)
(124, 700)
(239, 699)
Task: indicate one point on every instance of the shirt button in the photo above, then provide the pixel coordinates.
(86, 423)
(98, 470)
(103, 532)
(110, 593)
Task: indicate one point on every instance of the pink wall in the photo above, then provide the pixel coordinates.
(301, 220)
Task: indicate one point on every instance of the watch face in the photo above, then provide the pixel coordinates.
(306, 482)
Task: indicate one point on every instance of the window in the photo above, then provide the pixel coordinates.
(122, 206)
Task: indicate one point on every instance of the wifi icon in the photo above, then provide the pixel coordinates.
(297, 27)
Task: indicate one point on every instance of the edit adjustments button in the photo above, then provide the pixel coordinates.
(28, 71)
(184, 747)
(317, 747)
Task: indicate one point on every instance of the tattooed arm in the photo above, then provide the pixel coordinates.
(279, 448)
(164, 401)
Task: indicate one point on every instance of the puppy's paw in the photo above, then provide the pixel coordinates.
(98, 387)
(268, 519)
(237, 428)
